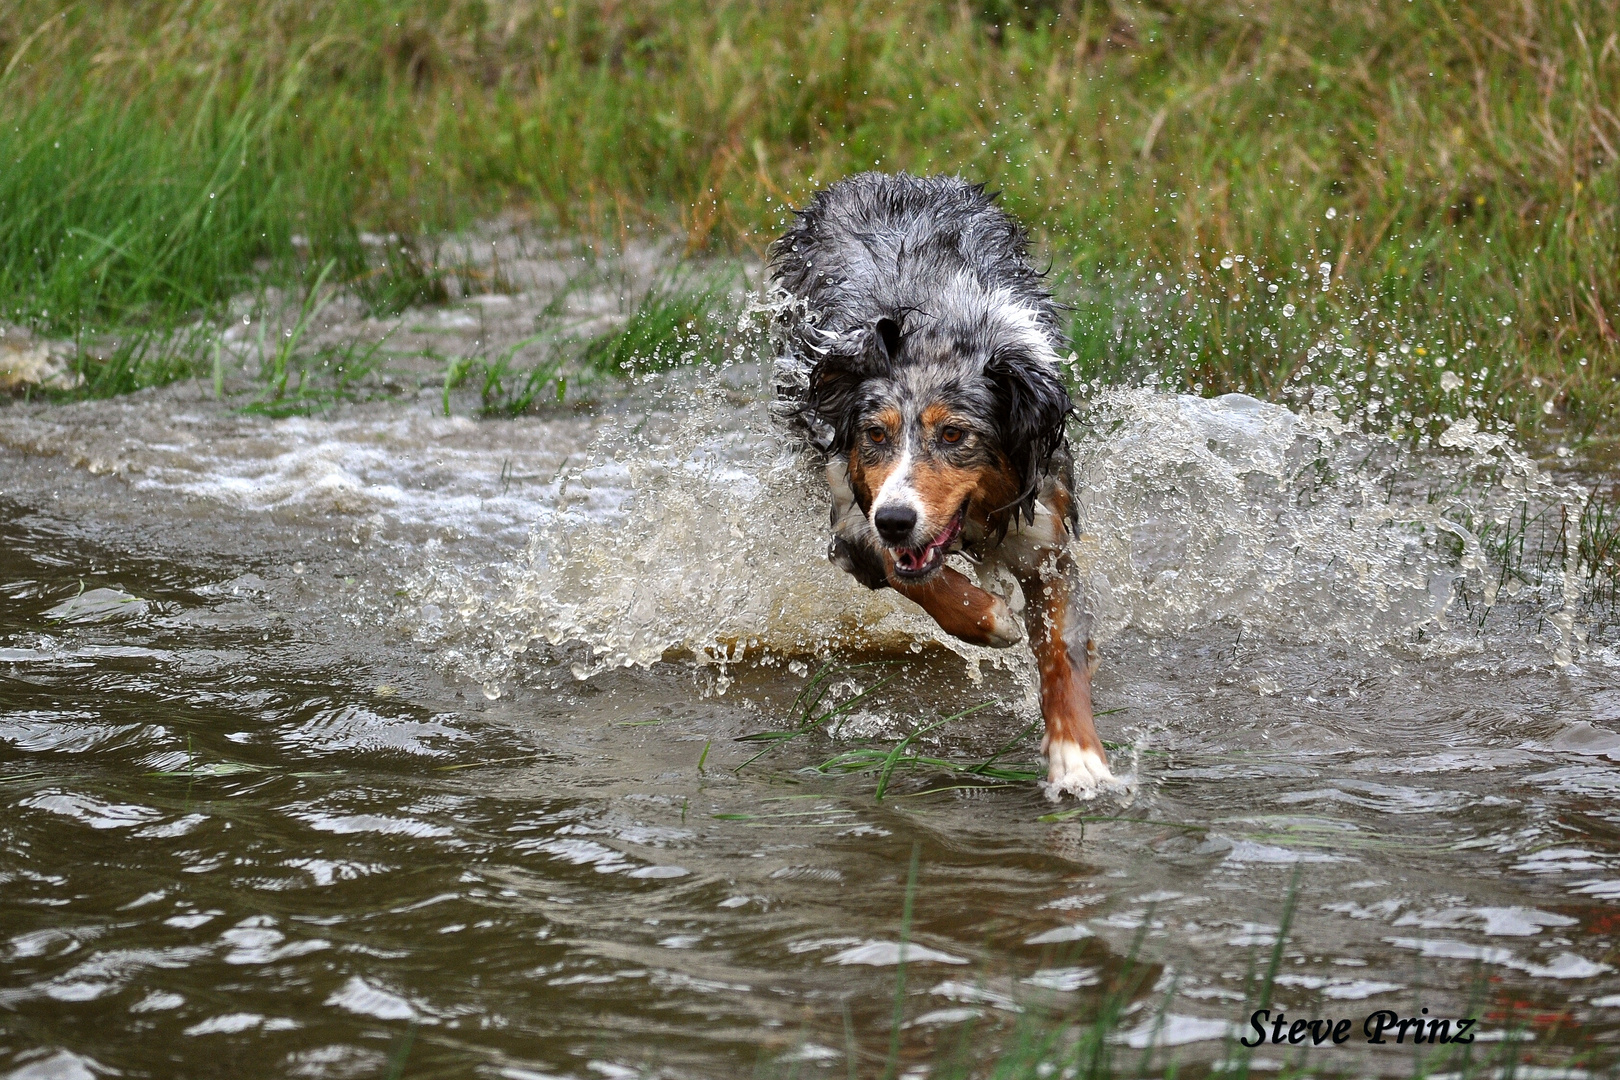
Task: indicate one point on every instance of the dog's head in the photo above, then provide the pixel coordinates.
(940, 430)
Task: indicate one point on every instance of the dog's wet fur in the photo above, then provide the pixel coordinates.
(919, 359)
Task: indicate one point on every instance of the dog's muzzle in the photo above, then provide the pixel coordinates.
(920, 562)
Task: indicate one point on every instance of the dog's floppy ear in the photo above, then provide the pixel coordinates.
(833, 396)
(835, 383)
(1034, 405)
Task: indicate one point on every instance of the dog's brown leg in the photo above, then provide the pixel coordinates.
(962, 609)
(1060, 635)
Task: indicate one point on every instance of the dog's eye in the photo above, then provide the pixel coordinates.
(877, 435)
(950, 434)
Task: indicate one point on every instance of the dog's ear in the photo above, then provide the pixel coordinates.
(833, 397)
(1034, 405)
(835, 384)
(835, 388)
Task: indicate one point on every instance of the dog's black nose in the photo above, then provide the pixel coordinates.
(895, 523)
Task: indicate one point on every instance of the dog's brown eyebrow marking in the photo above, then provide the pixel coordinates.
(936, 414)
(889, 419)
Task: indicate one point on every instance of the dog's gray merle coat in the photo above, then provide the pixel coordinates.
(927, 280)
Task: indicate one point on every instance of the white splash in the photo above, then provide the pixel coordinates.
(704, 536)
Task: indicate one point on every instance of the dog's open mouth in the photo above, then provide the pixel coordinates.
(920, 562)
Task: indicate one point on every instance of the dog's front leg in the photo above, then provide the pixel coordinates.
(962, 609)
(1060, 636)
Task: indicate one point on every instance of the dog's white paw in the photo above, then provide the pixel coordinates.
(1004, 631)
(1073, 770)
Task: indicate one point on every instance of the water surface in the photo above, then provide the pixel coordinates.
(379, 737)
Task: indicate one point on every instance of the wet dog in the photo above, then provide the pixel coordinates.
(918, 357)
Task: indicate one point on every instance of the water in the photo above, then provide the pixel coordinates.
(329, 745)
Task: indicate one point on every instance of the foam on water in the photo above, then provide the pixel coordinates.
(409, 469)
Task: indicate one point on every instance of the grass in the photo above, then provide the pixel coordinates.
(503, 386)
(141, 356)
(318, 380)
(1555, 547)
(677, 318)
(1086, 1040)
(674, 322)
(404, 278)
(812, 712)
(806, 714)
(1598, 545)
(1451, 165)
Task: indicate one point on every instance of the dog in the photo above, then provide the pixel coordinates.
(918, 359)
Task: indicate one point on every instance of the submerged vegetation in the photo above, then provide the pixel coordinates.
(1414, 203)
(1124, 1027)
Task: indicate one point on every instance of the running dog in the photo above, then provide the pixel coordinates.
(918, 358)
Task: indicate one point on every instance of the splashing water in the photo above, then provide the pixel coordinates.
(694, 530)
(1230, 509)
(701, 535)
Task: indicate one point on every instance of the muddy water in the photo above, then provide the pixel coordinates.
(391, 744)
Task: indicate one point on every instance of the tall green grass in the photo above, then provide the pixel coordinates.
(161, 155)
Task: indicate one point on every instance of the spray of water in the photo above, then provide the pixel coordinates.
(691, 531)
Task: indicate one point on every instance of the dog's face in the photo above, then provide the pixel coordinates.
(925, 460)
(940, 433)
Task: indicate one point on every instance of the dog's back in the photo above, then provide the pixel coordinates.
(875, 243)
(936, 251)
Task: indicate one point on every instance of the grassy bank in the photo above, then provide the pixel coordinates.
(1410, 201)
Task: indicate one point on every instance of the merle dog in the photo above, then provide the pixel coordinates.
(919, 360)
